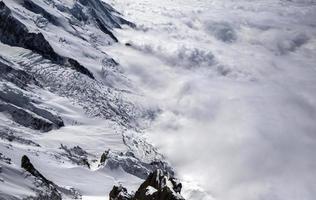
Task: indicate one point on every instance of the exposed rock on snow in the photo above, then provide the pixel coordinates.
(133, 165)
(15, 33)
(76, 155)
(22, 108)
(10, 135)
(50, 191)
(119, 193)
(16, 76)
(5, 159)
(44, 188)
(158, 186)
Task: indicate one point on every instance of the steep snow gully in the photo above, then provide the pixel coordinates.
(113, 99)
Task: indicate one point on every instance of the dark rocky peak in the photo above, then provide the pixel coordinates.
(51, 191)
(15, 100)
(16, 76)
(120, 193)
(158, 186)
(46, 189)
(105, 13)
(33, 7)
(15, 33)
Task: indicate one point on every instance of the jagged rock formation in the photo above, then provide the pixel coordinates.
(76, 155)
(133, 165)
(12, 135)
(158, 186)
(5, 159)
(16, 76)
(15, 33)
(104, 157)
(46, 189)
(51, 191)
(119, 193)
(22, 109)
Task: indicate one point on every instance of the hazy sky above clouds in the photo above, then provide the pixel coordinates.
(235, 82)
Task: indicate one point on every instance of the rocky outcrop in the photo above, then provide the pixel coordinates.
(133, 165)
(26, 118)
(44, 188)
(48, 188)
(24, 111)
(159, 185)
(119, 193)
(16, 76)
(10, 135)
(104, 157)
(76, 154)
(15, 101)
(30, 5)
(5, 159)
(103, 13)
(15, 33)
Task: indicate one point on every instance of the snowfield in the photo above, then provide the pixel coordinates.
(221, 92)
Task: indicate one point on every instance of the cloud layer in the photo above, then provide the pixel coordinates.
(235, 83)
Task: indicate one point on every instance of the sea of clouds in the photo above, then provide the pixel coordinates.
(235, 85)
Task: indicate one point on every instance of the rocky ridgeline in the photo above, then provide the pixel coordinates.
(46, 189)
(159, 185)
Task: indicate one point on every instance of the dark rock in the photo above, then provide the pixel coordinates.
(18, 77)
(101, 13)
(8, 134)
(26, 118)
(49, 189)
(79, 68)
(33, 7)
(104, 14)
(159, 184)
(24, 111)
(104, 156)
(77, 155)
(119, 193)
(77, 12)
(105, 30)
(5, 159)
(131, 164)
(15, 33)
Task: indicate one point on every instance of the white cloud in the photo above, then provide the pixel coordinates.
(242, 124)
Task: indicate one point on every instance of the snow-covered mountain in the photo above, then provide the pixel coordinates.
(113, 99)
(66, 106)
